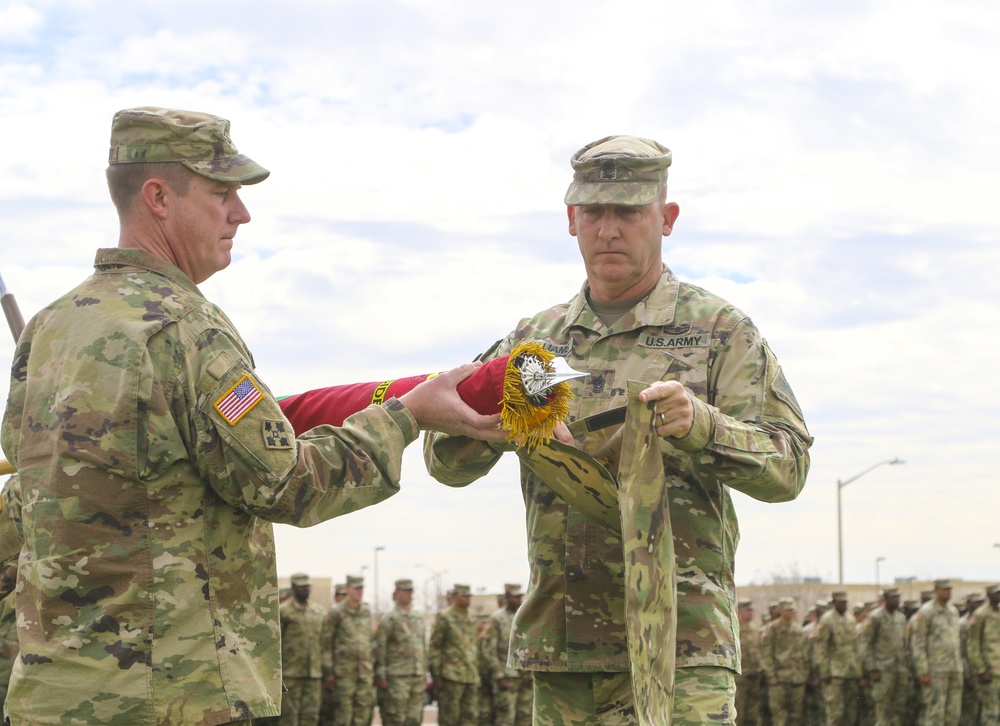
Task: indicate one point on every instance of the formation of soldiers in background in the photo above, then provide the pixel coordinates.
(933, 662)
(338, 664)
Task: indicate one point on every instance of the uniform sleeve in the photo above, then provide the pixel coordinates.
(918, 645)
(753, 435)
(247, 451)
(380, 647)
(767, 654)
(329, 630)
(434, 648)
(974, 649)
(821, 643)
(869, 634)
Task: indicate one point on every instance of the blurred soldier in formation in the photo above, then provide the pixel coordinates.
(815, 710)
(884, 658)
(749, 693)
(984, 655)
(347, 658)
(836, 648)
(486, 662)
(785, 654)
(401, 661)
(301, 655)
(937, 658)
(970, 695)
(453, 659)
(512, 689)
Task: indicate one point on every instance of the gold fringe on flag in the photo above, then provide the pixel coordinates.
(531, 418)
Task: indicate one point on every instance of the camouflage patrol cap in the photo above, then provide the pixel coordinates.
(746, 604)
(786, 603)
(355, 581)
(299, 578)
(891, 592)
(199, 141)
(461, 590)
(943, 584)
(838, 595)
(340, 589)
(926, 594)
(404, 584)
(992, 589)
(975, 597)
(858, 609)
(512, 590)
(625, 170)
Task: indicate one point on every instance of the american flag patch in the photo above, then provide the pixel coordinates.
(238, 400)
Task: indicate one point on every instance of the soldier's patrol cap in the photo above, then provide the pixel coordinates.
(858, 609)
(774, 605)
(462, 590)
(199, 141)
(404, 584)
(943, 584)
(746, 604)
(838, 595)
(299, 578)
(627, 170)
(926, 594)
(786, 603)
(992, 589)
(512, 590)
(821, 605)
(975, 597)
(340, 589)
(891, 592)
(911, 605)
(355, 581)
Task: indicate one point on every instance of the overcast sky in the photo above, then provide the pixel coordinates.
(835, 164)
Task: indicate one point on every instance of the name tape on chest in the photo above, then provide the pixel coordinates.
(687, 340)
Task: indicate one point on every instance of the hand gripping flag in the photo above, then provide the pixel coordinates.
(527, 388)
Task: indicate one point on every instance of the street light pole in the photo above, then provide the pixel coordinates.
(436, 576)
(877, 561)
(840, 520)
(375, 577)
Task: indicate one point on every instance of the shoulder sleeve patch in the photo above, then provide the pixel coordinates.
(236, 403)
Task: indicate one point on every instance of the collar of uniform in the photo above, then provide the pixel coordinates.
(657, 309)
(131, 257)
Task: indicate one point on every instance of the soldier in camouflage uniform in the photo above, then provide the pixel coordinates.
(984, 655)
(839, 662)
(152, 459)
(815, 710)
(970, 694)
(401, 661)
(748, 683)
(348, 668)
(486, 663)
(884, 659)
(453, 659)
(511, 688)
(785, 656)
(725, 418)
(937, 658)
(301, 655)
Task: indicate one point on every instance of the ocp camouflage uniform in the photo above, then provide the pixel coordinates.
(839, 666)
(147, 577)
(970, 694)
(400, 654)
(487, 685)
(936, 652)
(453, 660)
(748, 683)
(884, 652)
(347, 655)
(8, 645)
(785, 655)
(812, 702)
(508, 705)
(301, 662)
(748, 435)
(984, 657)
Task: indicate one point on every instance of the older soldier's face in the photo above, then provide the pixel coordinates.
(202, 225)
(621, 245)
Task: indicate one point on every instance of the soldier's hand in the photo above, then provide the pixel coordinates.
(381, 683)
(875, 676)
(925, 680)
(436, 405)
(563, 434)
(330, 682)
(503, 684)
(672, 407)
(985, 677)
(773, 682)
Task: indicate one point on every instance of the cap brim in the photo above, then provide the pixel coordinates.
(633, 194)
(237, 168)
